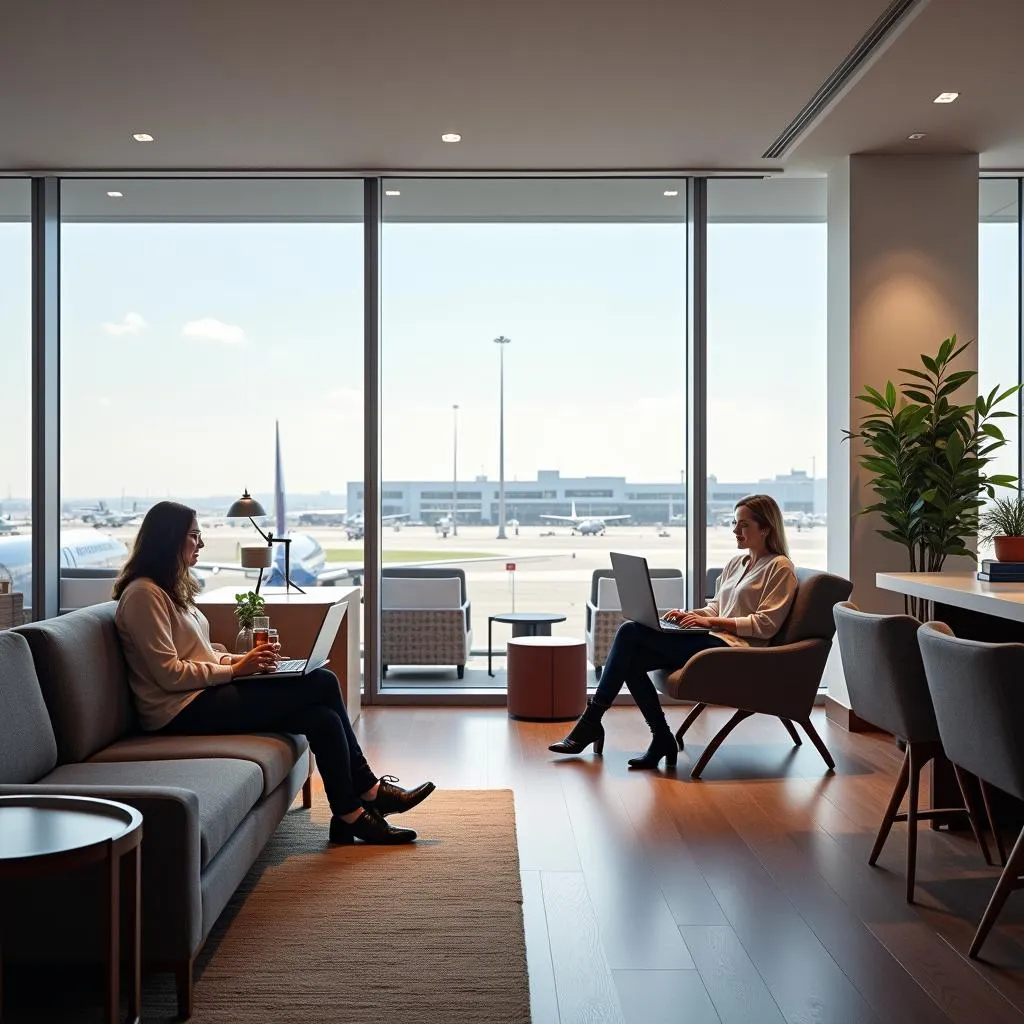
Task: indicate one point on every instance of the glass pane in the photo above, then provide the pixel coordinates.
(767, 297)
(15, 395)
(199, 319)
(998, 289)
(570, 430)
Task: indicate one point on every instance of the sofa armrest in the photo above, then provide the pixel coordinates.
(171, 893)
(591, 608)
(465, 608)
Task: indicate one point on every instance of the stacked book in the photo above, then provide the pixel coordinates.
(1001, 572)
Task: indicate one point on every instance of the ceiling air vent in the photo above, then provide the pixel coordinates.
(870, 46)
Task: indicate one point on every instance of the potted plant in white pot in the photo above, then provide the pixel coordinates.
(927, 456)
(1002, 524)
(247, 607)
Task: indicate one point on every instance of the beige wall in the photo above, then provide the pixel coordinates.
(902, 276)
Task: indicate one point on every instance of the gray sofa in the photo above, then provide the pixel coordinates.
(209, 803)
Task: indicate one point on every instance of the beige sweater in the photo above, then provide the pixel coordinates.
(757, 600)
(170, 658)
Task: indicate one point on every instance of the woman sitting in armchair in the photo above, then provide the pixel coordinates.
(755, 593)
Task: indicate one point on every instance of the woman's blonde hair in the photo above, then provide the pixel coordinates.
(768, 516)
(159, 553)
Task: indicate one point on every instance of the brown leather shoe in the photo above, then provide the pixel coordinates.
(392, 799)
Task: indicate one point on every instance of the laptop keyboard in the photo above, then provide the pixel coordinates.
(291, 665)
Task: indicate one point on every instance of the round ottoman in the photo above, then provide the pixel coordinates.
(547, 677)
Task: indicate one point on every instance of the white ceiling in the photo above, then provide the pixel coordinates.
(532, 85)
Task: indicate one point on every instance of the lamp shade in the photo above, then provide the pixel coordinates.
(257, 557)
(245, 507)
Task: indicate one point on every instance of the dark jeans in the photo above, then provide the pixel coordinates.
(635, 651)
(310, 705)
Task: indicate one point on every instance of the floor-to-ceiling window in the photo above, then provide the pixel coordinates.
(999, 341)
(766, 330)
(15, 388)
(533, 391)
(200, 319)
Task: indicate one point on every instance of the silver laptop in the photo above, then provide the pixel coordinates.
(636, 595)
(292, 668)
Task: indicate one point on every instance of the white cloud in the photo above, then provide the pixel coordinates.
(104, 402)
(210, 329)
(131, 323)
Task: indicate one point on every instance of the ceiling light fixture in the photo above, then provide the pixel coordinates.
(451, 137)
(142, 137)
(392, 192)
(945, 97)
(916, 136)
(671, 192)
(116, 195)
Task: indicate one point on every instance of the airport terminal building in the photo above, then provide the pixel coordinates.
(478, 501)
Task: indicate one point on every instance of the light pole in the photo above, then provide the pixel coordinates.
(501, 341)
(455, 471)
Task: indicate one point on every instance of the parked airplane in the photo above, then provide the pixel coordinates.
(100, 515)
(585, 524)
(79, 549)
(355, 525)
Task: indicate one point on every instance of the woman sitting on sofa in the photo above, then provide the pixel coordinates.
(754, 596)
(181, 683)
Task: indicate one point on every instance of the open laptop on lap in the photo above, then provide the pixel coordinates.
(292, 668)
(636, 595)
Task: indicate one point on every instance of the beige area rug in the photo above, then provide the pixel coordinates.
(430, 933)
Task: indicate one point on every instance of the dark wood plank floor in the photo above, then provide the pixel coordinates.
(745, 897)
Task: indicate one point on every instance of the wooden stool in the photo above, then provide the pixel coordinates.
(547, 677)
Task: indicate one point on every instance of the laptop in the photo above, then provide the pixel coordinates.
(292, 668)
(636, 595)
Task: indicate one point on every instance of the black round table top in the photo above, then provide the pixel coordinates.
(528, 617)
(38, 826)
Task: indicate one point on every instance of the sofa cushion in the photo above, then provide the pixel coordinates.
(275, 753)
(84, 679)
(226, 789)
(419, 594)
(27, 745)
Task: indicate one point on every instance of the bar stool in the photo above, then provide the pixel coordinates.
(979, 705)
(886, 682)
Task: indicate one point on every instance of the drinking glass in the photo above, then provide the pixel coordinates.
(274, 640)
(260, 630)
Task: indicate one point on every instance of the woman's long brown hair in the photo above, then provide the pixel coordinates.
(158, 553)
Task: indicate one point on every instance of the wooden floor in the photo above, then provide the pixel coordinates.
(745, 897)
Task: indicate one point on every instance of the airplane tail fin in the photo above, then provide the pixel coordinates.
(279, 516)
(572, 510)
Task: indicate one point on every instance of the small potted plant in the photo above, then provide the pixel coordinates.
(1003, 523)
(247, 607)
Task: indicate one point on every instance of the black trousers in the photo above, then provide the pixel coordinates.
(310, 705)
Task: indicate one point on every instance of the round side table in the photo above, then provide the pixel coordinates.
(43, 835)
(523, 624)
(547, 678)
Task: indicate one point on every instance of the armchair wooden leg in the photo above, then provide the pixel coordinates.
(892, 809)
(709, 750)
(915, 762)
(692, 717)
(791, 729)
(183, 987)
(971, 803)
(1001, 849)
(1008, 881)
(307, 793)
(812, 735)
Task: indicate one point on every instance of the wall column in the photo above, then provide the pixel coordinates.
(902, 276)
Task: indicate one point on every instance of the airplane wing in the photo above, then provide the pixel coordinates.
(395, 515)
(608, 519)
(563, 519)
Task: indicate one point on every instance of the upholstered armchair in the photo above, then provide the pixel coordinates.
(425, 620)
(604, 611)
(781, 679)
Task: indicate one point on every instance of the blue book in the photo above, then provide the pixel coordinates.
(991, 565)
(1001, 577)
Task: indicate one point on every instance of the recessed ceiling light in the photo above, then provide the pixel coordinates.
(142, 137)
(116, 195)
(671, 192)
(392, 192)
(451, 137)
(916, 136)
(945, 97)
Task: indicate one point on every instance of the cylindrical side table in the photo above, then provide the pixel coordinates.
(547, 677)
(42, 835)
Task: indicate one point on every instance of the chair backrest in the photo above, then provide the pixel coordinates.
(711, 578)
(28, 749)
(668, 593)
(884, 672)
(810, 617)
(83, 591)
(427, 572)
(656, 574)
(978, 696)
(406, 592)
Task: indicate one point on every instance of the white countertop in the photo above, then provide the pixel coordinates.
(960, 589)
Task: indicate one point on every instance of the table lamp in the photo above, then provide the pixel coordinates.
(246, 507)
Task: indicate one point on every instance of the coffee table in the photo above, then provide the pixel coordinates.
(523, 624)
(44, 835)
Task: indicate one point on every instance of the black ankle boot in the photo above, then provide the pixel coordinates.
(392, 799)
(663, 745)
(588, 729)
(370, 827)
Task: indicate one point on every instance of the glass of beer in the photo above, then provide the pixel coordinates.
(260, 630)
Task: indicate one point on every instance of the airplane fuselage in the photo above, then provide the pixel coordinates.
(79, 549)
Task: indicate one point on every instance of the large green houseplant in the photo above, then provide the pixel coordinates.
(927, 455)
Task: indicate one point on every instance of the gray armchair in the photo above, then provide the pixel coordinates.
(781, 679)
